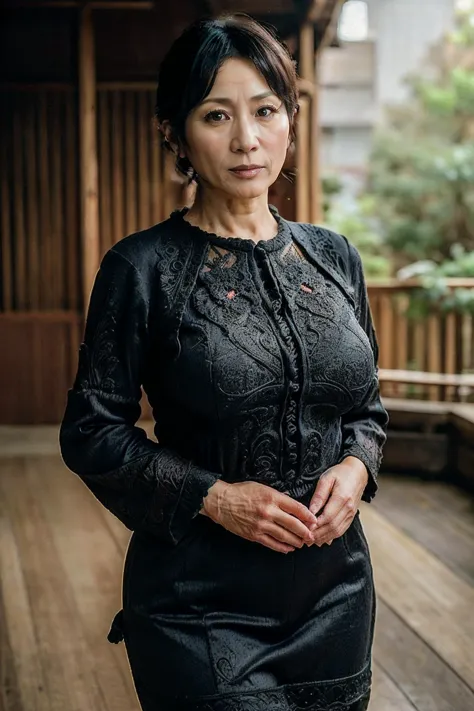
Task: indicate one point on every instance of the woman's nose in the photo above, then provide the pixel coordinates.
(245, 138)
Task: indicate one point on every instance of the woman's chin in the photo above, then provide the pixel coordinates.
(249, 190)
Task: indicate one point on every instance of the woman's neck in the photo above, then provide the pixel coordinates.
(250, 219)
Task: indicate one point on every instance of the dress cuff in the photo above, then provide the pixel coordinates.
(195, 488)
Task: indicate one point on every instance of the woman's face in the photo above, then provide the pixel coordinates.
(240, 123)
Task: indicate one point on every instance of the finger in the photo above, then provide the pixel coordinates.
(321, 494)
(286, 503)
(275, 545)
(336, 506)
(333, 529)
(283, 534)
(294, 525)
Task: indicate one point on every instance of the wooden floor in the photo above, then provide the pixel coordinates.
(61, 562)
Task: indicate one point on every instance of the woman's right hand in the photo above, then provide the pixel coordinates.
(260, 513)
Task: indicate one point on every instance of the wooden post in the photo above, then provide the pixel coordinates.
(316, 198)
(308, 188)
(303, 162)
(88, 157)
(302, 139)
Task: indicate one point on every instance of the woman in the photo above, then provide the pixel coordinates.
(253, 339)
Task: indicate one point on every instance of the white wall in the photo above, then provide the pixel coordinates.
(358, 79)
(404, 31)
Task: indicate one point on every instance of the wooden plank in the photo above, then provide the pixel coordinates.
(434, 352)
(465, 462)
(32, 211)
(117, 207)
(157, 169)
(416, 670)
(302, 162)
(5, 214)
(426, 378)
(10, 699)
(401, 341)
(94, 4)
(45, 202)
(433, 601)
(71, 236)
(450, 352)
(467, 333)
(57, 203)
(437, 515)
(419, 341)
(316, 216)
(93, 566)
(143, 176)
(69, 674)
(88, 163)
(104, 173)
(386, 696)
(386, 331)
(22, 678)
(130, 169)
(417, 451)
(21, 280)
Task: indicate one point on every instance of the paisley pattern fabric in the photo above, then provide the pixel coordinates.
(259, 360)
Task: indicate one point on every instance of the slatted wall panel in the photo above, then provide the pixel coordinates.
(440, 343)
(131, 164)
(39, 226)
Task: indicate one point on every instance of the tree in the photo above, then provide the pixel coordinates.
(421, 171)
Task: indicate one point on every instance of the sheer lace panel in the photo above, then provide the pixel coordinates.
(219, 257)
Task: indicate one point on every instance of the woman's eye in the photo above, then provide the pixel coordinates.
(269, 109)
(215, 116)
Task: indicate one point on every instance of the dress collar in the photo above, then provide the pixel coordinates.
(280, 239)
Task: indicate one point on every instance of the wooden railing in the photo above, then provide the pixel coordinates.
(440, 343)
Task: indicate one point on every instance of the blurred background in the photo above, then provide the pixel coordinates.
(384, 155)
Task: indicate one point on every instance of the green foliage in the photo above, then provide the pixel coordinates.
(434, 292)
(421, 174)
(357, 226)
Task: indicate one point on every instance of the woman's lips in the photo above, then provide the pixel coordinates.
(249, 172)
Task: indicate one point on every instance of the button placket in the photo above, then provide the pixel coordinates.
(277, 303)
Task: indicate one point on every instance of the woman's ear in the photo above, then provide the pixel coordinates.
(168, 133)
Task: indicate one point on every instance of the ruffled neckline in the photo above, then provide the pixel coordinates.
(281, 238)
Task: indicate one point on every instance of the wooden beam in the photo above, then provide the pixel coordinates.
(316, 10)
(88, 154)
(126, 86)
(121, 5)
(93, 4)
(331, 27)
(306, 52)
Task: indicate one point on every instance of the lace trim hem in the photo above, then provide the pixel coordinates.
(331, 695)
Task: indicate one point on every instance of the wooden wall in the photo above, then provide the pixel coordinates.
(39, 200)
(43, 239)
(439, 343)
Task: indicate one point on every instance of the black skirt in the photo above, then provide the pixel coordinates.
(220, 623)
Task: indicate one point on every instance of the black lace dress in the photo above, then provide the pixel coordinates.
(260, 363)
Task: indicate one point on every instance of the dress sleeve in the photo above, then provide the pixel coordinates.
(145, 485)
(364, 429)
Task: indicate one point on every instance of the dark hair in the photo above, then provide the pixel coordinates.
(189, 69)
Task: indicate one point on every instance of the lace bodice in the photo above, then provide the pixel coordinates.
(269, 374)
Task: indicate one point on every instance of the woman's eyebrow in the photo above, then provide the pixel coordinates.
(224, 100)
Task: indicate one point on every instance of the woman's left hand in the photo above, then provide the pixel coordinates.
(339, 490)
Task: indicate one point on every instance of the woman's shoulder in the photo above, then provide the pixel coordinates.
(142, 249)
(330, 246)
